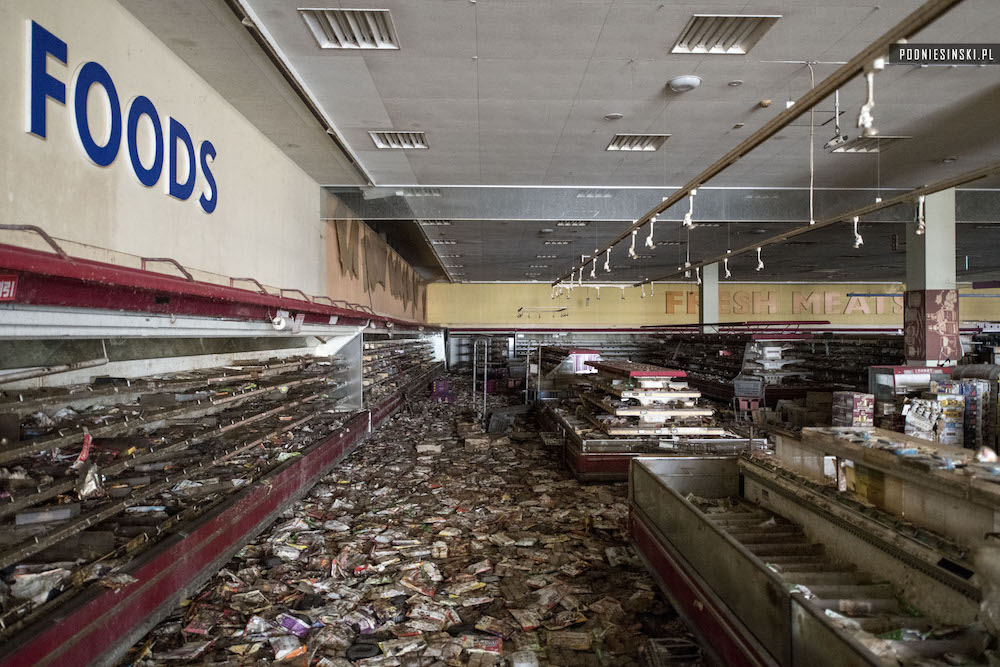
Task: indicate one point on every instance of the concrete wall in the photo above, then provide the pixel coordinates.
(267, 223)
(677, 303)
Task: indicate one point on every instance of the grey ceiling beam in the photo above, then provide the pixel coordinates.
(917, 20)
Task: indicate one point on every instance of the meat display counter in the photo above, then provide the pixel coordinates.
(772, 569)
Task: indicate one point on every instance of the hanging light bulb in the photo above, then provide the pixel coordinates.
(631, 250)
(580, 279)
(687, 269)
(623, 292)
(607, 261)
(598, 288)
(697, 273)
(921, 220)
(858, 241)
(593, 266)
(688, 221)
(642, 291)
(760, 261)
(725, 264)
(651, 288)
(649, 239)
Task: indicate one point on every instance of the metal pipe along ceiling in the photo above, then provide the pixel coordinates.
(906, 197)
(916, 21)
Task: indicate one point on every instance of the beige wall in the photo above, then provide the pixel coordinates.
(497, 305)
(268, 220)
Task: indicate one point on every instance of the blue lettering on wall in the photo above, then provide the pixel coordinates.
(208, 154)
(141, 106)
(43, 86)
(175, 189)
(88, 75)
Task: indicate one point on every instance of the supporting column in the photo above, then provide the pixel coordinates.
(708, 296)
(930, 313)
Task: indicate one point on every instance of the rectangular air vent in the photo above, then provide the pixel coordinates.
(571, 223)
(875, 144)
(558, 242)
(392, 140)
(351, 28)
(449, 256)
(637, 142)
(546, 256)
(723, 34)
(443, 242)
(436, 223)
(594, 194)
(454, 266)
(419, 192)
(670, 243)
(539, 266)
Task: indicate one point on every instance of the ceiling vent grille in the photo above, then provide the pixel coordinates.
(723, 34)
(637, 142)
(436, 223)
(389, 139)
(546, 256)
(876, 144)
(443, 242)
(571, 223)
(558, 242)
(351, 28)
(594, 194)
(420, 192)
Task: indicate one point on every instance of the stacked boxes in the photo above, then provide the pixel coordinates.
(853, 409)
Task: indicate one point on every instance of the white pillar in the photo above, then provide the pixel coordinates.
(708, 297)
(930, 309)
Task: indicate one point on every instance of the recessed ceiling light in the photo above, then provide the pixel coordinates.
(735, 83)
(684, 83)
(737, 126)
(949, 159)
(547, 230)
(613, 116)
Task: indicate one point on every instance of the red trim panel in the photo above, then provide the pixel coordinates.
(594, 467)
(690, 596)
(47, 279)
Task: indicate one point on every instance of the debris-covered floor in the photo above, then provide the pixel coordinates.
(434, 544)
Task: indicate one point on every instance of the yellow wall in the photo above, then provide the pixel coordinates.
(676, 303)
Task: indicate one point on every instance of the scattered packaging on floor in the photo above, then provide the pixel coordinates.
(435, 543)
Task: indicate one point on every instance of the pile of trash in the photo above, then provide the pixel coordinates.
(436, 543)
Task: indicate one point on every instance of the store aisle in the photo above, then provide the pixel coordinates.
(434, 544)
